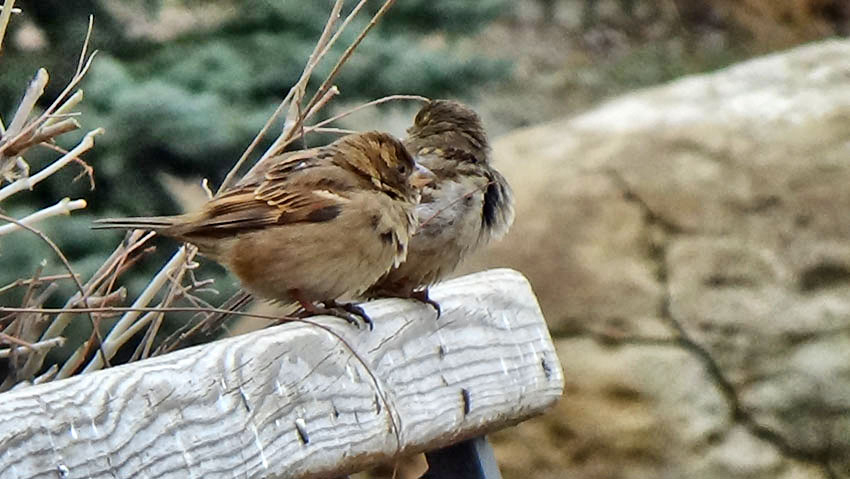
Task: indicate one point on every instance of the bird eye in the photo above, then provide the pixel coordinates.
(402, 168)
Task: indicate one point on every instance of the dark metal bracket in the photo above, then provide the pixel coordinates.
(471, 459)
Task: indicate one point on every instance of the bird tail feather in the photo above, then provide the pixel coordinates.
(140, 223)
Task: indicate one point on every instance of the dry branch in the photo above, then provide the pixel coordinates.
(28, 182)
(64, 207)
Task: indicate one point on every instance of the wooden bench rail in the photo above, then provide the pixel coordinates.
(292, 400)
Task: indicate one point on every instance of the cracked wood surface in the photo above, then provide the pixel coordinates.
(292, 400)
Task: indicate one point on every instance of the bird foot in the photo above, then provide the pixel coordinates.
(422, 295)
(350, 312)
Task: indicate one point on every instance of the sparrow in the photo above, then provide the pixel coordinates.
(468, 205)
(310, 226)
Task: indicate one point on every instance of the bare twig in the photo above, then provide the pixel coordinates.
(81, 62)
(5, 14)
(64, 207)
(334, 131)
(231, 175)
(116, 296)
(296, 123)
(67, 265)
(27, 183)
(207, 326)
(150, 334)
(87, 169)
(111, 310)
(348, 52)
(109, 267)
(111, 345)
(24, 347)
(14, 340)
(60, 100)
(325, 90)
(96, 295)
(366, 105)
(313, 59)
(24, 282)
(315, 56)
(65, 109)
(42, 135)
(34, 91)
(48, 375)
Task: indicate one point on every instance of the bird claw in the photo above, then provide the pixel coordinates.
(422, 295)
(356, 314)
(350, 312)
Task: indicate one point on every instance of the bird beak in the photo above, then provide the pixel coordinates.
(422, 177)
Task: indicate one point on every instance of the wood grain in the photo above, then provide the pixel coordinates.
(293, 400)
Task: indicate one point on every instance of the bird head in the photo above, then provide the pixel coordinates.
(385, 162)
(447, 124)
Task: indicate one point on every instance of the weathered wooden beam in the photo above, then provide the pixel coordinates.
(294, 401)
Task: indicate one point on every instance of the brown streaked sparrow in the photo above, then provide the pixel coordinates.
(309, 226)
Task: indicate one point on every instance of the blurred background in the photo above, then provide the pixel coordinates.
(183, 86)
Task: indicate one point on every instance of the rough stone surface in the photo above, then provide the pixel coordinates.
(690, 245)
(632, 410)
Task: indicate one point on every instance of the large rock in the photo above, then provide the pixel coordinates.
(691, 245)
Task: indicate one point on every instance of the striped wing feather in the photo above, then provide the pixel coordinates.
(289, 191)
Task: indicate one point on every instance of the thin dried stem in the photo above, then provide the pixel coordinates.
(48, 375)
(111, 345)
(14, 340)
(35, 275)
(68, 267)
(109, 267)
(53, 106)
(24, 348)
(353, 13)
(366, 105)
(150, 335)
(206, 326)
(42, 135)
(315, 56)
(334, 131)
(25, 282)
(5, 14)
(81, 62)
(64, 207)
(34, 91)
(326, 90)
(296, 123)
(348, 52)
(117, 296)
(27, 183)
(112, 310)
(65, 109)
(231, 175)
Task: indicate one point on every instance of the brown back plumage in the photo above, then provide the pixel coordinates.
(303, 186)
(449, 125)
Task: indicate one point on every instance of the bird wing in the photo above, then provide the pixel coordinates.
(293, 190)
